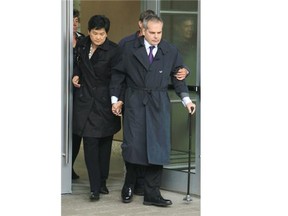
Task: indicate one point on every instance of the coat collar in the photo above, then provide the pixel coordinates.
(105, 45)
(87, 42)
(141, 54)
(162, 46)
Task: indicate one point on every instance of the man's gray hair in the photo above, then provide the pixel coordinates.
(153, 18)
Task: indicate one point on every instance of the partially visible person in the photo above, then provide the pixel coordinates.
(147, 65)
(92, 115)
(76, 20)
(138, 188)
(76, 140)
(139, 32)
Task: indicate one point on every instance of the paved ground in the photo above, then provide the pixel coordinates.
(78, 203)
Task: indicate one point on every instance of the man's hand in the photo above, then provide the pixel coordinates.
(75, 81)
(191, 108)
(117, 108)
(181, 74)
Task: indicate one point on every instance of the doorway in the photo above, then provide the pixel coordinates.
(123, 16)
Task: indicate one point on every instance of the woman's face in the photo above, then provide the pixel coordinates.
(98, 36)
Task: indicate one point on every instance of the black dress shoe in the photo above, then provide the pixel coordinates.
(126, 194)
(158, 201)
(74, 175)
(169, 202)
(94, 196)
(104, 190)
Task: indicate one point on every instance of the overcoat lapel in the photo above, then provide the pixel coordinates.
(140, 52)
(85, 46)
(142, 57)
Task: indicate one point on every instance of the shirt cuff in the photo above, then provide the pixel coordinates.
(114, 99)
(186, 100)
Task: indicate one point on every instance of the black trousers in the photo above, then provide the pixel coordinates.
(140, 173)
(137, 173)
(152, 178)
(76, 142)
(97, 152)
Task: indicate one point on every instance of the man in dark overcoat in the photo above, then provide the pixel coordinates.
(181, 74)
(146, 132)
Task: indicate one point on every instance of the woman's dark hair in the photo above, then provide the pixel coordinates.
(99, 22)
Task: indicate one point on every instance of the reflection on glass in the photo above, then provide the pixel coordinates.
(181, 30)
(180, 138)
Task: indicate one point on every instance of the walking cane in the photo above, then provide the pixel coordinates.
(188, 198)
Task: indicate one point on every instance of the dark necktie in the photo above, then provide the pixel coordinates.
(150, 56)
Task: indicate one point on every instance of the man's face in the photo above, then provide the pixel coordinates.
(98, 36)
(153, 33)
(75, 24)
(187, 28)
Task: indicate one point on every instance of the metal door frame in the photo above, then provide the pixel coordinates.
(66, 93)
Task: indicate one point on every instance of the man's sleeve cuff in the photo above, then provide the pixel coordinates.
(114, 99)
(186, 100)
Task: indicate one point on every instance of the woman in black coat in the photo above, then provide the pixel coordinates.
(92, 116)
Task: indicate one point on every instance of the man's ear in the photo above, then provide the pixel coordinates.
(139, 24)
